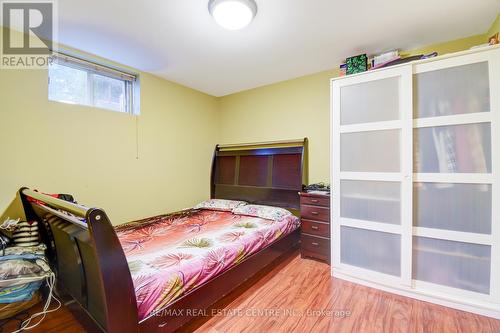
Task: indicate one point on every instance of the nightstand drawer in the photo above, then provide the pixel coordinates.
(315, 228)
(315, 201)
(315, 213)
(315, 244)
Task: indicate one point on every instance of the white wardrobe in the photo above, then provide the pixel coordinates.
(416, 179)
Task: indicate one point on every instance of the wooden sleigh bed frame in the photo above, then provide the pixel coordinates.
(92, 269)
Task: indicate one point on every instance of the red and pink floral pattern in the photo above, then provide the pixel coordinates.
(170, 255)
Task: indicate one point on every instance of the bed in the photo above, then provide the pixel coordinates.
(118, 282)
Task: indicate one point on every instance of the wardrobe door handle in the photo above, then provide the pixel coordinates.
(314, 227)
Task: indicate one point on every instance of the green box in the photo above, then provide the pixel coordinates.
(357, 64)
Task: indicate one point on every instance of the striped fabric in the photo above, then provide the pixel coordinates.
(26, 234)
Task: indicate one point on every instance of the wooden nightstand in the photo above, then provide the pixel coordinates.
(315, 226)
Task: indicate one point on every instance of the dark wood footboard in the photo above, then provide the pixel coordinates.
(88, 259)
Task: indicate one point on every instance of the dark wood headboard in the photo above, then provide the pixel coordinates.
(269, 173)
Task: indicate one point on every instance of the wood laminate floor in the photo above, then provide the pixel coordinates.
(298, 295)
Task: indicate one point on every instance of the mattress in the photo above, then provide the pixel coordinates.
(170, 255)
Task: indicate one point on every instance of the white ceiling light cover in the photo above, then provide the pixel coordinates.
(232, 14)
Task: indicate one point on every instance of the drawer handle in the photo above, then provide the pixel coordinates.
(315, 244)
(314, 227)
(314, 200)
(315, 213)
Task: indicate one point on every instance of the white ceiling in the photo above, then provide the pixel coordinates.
(178, 39)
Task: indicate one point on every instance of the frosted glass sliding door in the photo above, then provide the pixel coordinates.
(372, 173)
(453, 186)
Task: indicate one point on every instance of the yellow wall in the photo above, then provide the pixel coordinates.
(298, 108)
(91, 153)
(495, 27)
(288, 110)
(450, 46)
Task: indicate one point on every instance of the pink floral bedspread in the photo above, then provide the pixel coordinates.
(171, 255)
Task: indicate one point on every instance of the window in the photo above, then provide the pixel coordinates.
(76, 81)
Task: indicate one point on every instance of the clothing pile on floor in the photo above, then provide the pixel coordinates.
(23, 270)
(23, 267)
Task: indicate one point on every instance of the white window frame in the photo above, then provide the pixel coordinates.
(131, 81)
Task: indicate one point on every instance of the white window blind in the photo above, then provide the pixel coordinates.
(78, 81)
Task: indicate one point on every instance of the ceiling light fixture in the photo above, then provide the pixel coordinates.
(232, 14)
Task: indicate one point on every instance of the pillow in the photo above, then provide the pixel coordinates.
(265, 212)
(220, 204)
